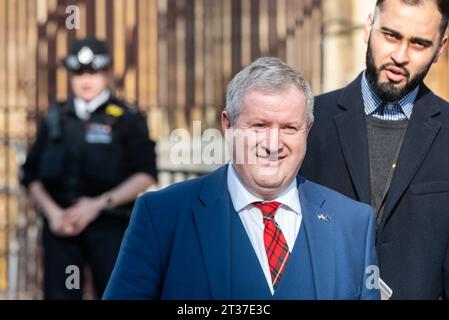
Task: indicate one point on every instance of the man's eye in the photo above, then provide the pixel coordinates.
(419, 46)
(389, 36)
(258, 126)
(290, 129)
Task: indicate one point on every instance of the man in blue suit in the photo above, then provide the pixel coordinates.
(251, 229)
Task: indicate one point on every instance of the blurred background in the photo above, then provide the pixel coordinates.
(172, 58)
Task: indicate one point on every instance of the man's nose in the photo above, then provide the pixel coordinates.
(400, 54)
(273, 141)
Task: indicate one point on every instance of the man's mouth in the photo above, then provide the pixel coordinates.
(271, 157)
(395, 74)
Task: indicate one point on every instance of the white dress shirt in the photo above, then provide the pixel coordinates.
(84, 109)
(288, 217)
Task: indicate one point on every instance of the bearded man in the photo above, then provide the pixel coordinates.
(383, 140)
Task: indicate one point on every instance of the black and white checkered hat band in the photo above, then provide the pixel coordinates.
(99, 62)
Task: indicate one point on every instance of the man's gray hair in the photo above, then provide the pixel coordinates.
(265, 74)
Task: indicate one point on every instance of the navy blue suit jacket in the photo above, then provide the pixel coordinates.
(177, 245)
(413, 232)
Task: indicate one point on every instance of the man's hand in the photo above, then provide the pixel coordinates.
(83, 212)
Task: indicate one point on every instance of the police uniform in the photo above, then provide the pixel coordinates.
(74, 157)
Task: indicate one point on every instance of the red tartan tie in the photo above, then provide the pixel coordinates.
(275, 244)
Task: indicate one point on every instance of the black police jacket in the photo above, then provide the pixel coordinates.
(75, 158)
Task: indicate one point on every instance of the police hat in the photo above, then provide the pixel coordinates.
(88, 54)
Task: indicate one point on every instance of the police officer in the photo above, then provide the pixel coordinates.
(91, 158)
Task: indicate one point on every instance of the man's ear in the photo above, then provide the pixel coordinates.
(225, 124)
(443, 45)
(310, 126)
(368, 27)
(225, 121)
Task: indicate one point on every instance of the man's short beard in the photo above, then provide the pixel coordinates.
(387, 91)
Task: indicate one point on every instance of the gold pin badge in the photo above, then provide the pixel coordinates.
(114, 110)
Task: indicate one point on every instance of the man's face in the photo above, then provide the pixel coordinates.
(88, 85)
(268, 139)
(403, 42)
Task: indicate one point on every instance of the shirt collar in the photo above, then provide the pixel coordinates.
(84, 108)
(371, 101)
(242, 198)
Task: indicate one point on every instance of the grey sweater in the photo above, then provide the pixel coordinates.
(384, 142)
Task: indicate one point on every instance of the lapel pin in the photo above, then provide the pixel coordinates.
(323, 217)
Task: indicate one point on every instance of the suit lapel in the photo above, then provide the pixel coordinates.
(212, 218)
(321, 239)
(351, 128)
(421, 132)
